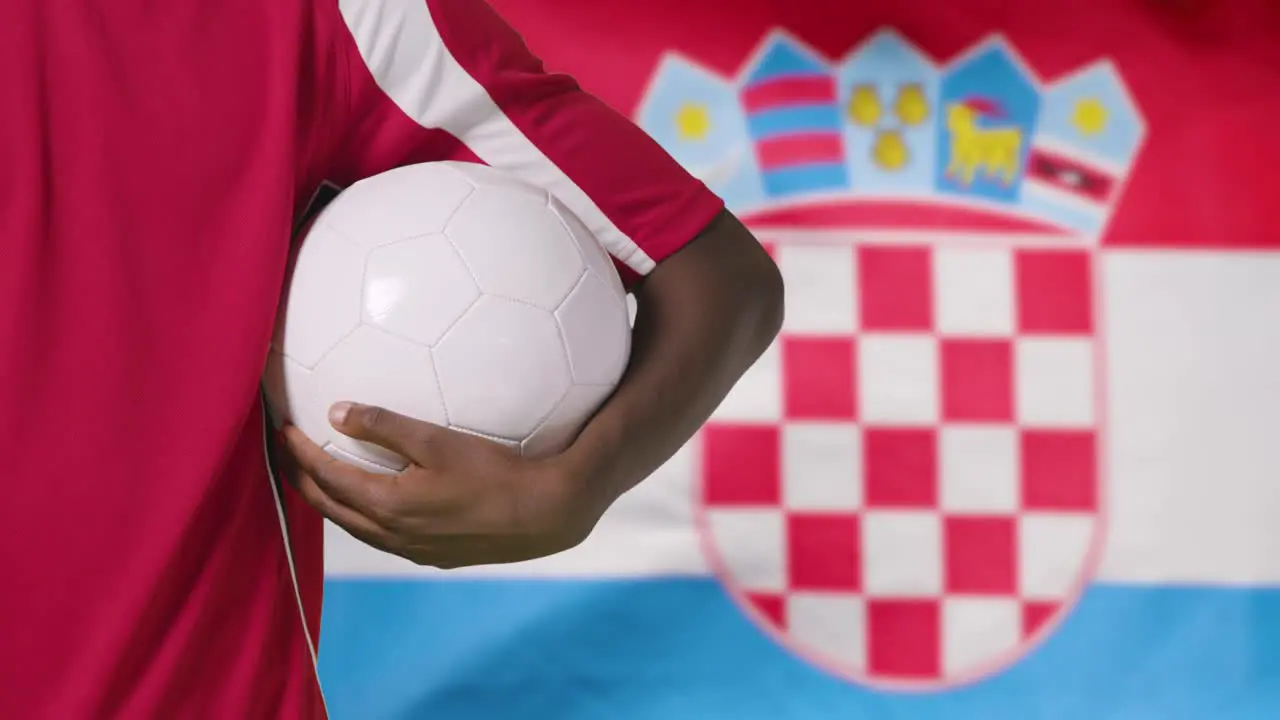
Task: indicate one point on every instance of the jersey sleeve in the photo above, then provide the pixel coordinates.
(434, 80)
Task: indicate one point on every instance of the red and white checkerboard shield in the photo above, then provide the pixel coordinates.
(905, 490)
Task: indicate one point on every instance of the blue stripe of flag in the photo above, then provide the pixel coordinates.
(792, 120)
(807, 178)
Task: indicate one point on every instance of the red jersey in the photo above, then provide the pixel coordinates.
(153, 159)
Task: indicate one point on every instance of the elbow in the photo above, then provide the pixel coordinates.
(752, 289)
(736, 286)
(767, 298)
(752, 296)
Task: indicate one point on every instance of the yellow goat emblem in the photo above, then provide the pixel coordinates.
(994, 151)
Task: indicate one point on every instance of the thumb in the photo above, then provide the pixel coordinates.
(383, 427)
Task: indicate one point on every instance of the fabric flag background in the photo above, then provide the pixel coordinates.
(1017, 451)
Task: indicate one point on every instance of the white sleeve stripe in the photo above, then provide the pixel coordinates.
(404, 52)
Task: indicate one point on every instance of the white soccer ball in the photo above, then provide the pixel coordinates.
(451, 293)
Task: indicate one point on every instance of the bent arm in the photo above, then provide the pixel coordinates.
(703, 317)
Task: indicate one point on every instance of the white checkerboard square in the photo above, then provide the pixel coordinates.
(973, 292)
(758, 394)
(1052, 551)
(978, 631)
(979, 469)
(833, 625)
(1054, 383)
(820, 292)
(822, 466)
(898, 379)
(901, 554)
(753, 546)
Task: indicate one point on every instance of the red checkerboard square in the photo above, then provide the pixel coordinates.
(824, 553)
(818, 378)
(981, 555)
(1055, 291)
(741, 465)
(1035, 615)
(901, 467)
(1059, 470)
(895, 288)
(903, 638)
(977, 380)
(772, 606)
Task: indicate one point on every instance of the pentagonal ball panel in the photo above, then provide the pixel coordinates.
(374, 368)
(417, 288)
(322, 300)
(562, 426)
(516, 246)
(596, 331)
(401, 203)
(502, 368)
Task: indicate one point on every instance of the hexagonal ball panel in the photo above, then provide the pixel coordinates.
(322, 301)
(375, 368)
(502, 368)
(484, 176)
(405, 202)
(290, 390)
(598, 259)
(516, 246)
(417, 288)
(596, 331)
(564, 423)
(512, 444)
(360, 462)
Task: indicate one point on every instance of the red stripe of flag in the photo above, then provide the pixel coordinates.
(788, 150)
(854, 212)
(785, 91)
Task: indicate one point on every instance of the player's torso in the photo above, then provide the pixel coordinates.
(152, 156)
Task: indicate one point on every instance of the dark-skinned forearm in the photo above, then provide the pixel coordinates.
(703, 317)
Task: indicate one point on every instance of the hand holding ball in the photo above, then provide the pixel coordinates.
(454, 294)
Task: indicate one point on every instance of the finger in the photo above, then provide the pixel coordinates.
(364, 529)
(380, 426)
(349, 485)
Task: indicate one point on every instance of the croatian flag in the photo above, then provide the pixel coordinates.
(1023, 463)
(1180, 617)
